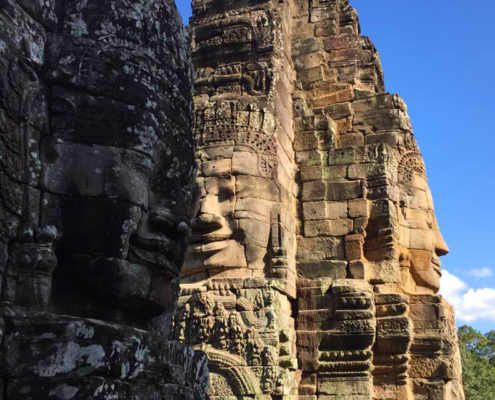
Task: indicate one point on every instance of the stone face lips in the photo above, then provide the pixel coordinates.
(314, 193)
(97, 190)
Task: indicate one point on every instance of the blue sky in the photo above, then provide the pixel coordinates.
(439, 55)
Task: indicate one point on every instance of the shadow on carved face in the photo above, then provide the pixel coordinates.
(420, 239)
(119, 184)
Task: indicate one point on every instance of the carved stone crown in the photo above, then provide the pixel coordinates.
(246, 135)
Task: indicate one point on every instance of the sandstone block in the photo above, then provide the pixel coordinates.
(321, 14)
(307, 346)
(344, 388)
(307, 61)
(390, 138)
(328, 89)
(256, 187)
(383, 120)
(314, 298)
(324, 210)
(379, 102)
(358, 208)
(326, 28)
(314, 190)
(314, 320)
(315, 172)
(370, 170)
(306, 45)
(338, 111)
(306, 141)
(386, 271)
(334, 227)
(312, 75)
(307, 385)
(362, 93)
(244, 163)
(219, 167)
(313, 211)
(354, 247)
(351, 139)
(341, 96)
(343, 190)
(340, 42)
(319, 248)
(334, 269)
(357, 270)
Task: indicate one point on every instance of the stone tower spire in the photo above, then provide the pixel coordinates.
(314, 264)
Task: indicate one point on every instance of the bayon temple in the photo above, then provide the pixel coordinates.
(239, 212)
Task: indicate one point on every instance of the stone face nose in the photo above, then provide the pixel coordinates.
(169, 223)
(205, 223)
(441, 247)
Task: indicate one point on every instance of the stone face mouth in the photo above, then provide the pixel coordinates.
(209, 238)
(163, 253)
(153, 258)
(436, 263)
(209, 243)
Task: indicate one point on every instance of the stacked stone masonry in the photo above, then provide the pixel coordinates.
(313, 268)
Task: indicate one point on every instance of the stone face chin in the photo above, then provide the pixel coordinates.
(327, 285)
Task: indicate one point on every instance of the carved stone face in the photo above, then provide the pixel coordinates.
(118, 166)
(231, 232)
(421, 241)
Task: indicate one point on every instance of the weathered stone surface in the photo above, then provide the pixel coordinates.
(97, 193)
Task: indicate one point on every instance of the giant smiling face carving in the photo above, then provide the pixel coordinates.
(239, 198)
(420, 239)
(118, 165)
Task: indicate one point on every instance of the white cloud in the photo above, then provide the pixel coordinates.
(470, 305)
(480, 273)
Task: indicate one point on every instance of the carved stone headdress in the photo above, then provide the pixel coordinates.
(245, 127)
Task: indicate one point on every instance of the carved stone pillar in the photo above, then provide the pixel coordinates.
(435, 360)
(391, 350)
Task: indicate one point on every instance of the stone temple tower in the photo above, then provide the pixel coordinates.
(313, 268)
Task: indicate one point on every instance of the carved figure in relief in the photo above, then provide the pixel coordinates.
(35, 261)
(420, 240)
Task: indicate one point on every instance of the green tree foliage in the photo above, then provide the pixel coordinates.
(478, 363)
